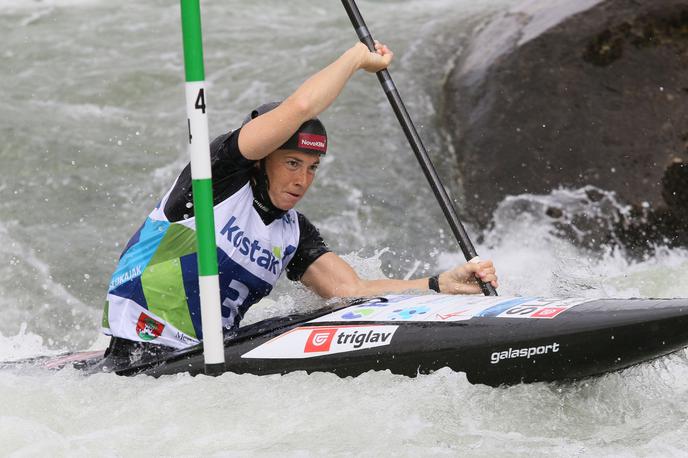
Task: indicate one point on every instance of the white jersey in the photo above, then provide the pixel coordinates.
(153, 295)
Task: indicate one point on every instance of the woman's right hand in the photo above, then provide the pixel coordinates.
(373, 62)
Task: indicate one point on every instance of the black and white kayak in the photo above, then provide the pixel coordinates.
(494, 340)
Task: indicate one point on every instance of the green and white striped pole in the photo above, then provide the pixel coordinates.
(202, 185)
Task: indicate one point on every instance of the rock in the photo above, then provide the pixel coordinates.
(573, 94)
(554, 212)
(675, 188)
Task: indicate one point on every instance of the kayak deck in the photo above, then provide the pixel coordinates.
(494, 340)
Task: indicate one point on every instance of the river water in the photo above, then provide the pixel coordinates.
(94, 130)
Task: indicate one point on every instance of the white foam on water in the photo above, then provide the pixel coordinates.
(23, 345)
(22, 5)
(515, 26)
(376, 413)
(535, 259)
(531, 260)
(33, 300)
(20, 254)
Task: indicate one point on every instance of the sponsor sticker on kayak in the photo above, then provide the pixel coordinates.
(525, 352)
(538, 308)
(312, 341)
(448, 308)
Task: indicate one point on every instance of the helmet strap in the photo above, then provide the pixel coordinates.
(260, 184)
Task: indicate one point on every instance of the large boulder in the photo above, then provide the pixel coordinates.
(574, 94)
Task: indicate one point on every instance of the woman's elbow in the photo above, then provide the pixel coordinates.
(302, 106)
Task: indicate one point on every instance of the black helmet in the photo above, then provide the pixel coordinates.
(310, 137)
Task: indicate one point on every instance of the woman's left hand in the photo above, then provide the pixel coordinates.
(462, 279)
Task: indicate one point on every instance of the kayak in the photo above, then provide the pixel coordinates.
(493, 340)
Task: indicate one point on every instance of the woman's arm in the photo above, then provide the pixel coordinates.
(264, 134)
(331, 276)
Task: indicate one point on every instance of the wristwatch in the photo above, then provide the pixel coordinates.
(434, 283)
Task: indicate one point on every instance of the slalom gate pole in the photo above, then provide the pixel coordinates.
(202, 187)
(417, 145)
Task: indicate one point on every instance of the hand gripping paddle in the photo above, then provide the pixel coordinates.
(414, 140)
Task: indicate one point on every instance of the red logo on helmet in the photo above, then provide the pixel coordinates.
(312, 141)
(320, 340)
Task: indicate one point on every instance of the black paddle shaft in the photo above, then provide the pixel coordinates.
(416, 144)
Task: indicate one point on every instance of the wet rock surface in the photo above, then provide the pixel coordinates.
(594, 94)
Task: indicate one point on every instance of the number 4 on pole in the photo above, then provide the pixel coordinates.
(200, 101)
